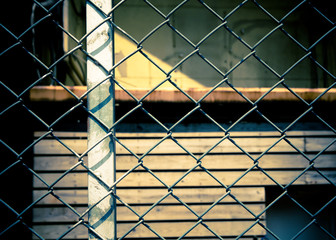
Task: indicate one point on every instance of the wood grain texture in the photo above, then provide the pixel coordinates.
(159, 213)
(195, 178)
(167, 229)
(185, 162)
(150, 196)
(226, 163)
(195, 145)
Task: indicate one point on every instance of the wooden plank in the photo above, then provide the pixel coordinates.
(70, 196)
(51, 146)
(320, 144)
(144, 179)
(236, 134)
(61, 134)
(54, 231)
(149, 196)
(213, 161)
(61, 215)
(166, 212)
(166, 229)
(253, 178)
(72, 180)
(193, 145)
(159, 213)
(226, 163)
(56, 163)
(140, 146)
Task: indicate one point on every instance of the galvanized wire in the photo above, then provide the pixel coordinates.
(18, 158)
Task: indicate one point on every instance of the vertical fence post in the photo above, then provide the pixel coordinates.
(101, 159)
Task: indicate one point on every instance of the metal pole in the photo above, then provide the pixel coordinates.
(101, 159)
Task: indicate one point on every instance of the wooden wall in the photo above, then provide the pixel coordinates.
(169, 162)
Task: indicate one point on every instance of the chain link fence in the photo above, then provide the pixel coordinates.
(148, 48)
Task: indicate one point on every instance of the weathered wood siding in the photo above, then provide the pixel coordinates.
(169, 161)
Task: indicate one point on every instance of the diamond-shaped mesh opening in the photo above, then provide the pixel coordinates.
(283, 42)
(204, 73)
(319, 26)
(200, 18)
(254, 28)
(302, 208)
(212, 125)
(130, 10)
(242, 76)
(321, 118)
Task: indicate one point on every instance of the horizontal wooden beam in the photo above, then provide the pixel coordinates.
(184, 162)
(195, 179)
(58, 93)
(166, 229)
(148, 196)
(159, 213)
(159, 135)
(194, 145)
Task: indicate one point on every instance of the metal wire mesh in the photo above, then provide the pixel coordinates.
(50, 65)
